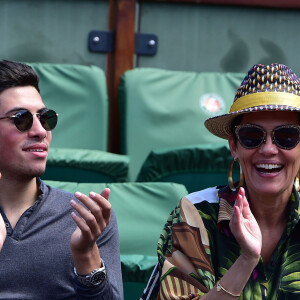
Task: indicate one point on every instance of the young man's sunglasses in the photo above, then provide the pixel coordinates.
(23, 119)
(252, 136)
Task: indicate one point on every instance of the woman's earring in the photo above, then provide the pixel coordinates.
(297, 183)
(230, 180)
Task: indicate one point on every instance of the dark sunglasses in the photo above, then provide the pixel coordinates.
(23, 119)
(252, 136)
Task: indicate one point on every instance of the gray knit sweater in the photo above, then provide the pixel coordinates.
(36, 260)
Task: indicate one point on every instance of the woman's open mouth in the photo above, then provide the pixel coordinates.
(268, 168)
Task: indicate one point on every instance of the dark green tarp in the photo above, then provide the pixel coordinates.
(196, 166)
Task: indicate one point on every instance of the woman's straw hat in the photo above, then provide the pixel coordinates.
(265, 88)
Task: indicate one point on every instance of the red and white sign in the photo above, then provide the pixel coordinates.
(212, 104)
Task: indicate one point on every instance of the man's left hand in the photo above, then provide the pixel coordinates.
(92, 218)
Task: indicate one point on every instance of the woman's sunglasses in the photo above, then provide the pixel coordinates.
(252, 136)
(23, 119)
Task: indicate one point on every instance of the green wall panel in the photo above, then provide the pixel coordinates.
(54, 31)
(219, 38)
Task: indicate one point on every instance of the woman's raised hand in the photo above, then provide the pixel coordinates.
(245, 228)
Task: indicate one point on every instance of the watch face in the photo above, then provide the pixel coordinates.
(97, 278)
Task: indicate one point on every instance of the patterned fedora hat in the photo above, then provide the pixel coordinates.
(265, 88)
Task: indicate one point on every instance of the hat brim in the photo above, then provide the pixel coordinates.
(221, 125)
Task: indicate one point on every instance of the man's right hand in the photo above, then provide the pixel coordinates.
(2, 232)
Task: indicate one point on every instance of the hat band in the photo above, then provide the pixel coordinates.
(265, 98)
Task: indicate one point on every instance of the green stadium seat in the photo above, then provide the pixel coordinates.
(79, 95)
(84, 165)
(141, 210)
(197, 166)
(165, 109)
(78, 150)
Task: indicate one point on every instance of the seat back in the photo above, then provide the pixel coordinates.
(79, 95)
(165, 109)
(84, 165)
(142, 210)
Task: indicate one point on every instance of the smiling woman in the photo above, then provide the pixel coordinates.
(270, 166)
(242, 240)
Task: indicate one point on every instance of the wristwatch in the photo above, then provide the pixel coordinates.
(95, 278)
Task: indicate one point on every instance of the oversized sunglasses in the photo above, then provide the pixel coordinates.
(23, 119)
(252, 136)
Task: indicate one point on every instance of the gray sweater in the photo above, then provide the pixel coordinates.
(36, 260)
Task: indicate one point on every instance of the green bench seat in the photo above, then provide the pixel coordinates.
(84, 165)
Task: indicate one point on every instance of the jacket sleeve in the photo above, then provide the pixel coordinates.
(184, 255)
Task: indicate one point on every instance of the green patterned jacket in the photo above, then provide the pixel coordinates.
(196, 248)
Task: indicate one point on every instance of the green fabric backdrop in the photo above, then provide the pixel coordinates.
(52, 31)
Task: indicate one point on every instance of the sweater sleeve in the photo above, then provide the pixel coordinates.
(109, 247)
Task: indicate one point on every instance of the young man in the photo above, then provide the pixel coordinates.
(55, 245)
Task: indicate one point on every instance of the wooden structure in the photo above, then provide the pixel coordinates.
(122, 20)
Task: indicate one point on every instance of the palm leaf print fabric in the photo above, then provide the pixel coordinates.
(196, 248)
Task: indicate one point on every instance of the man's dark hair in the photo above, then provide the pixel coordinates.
(15, 74)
